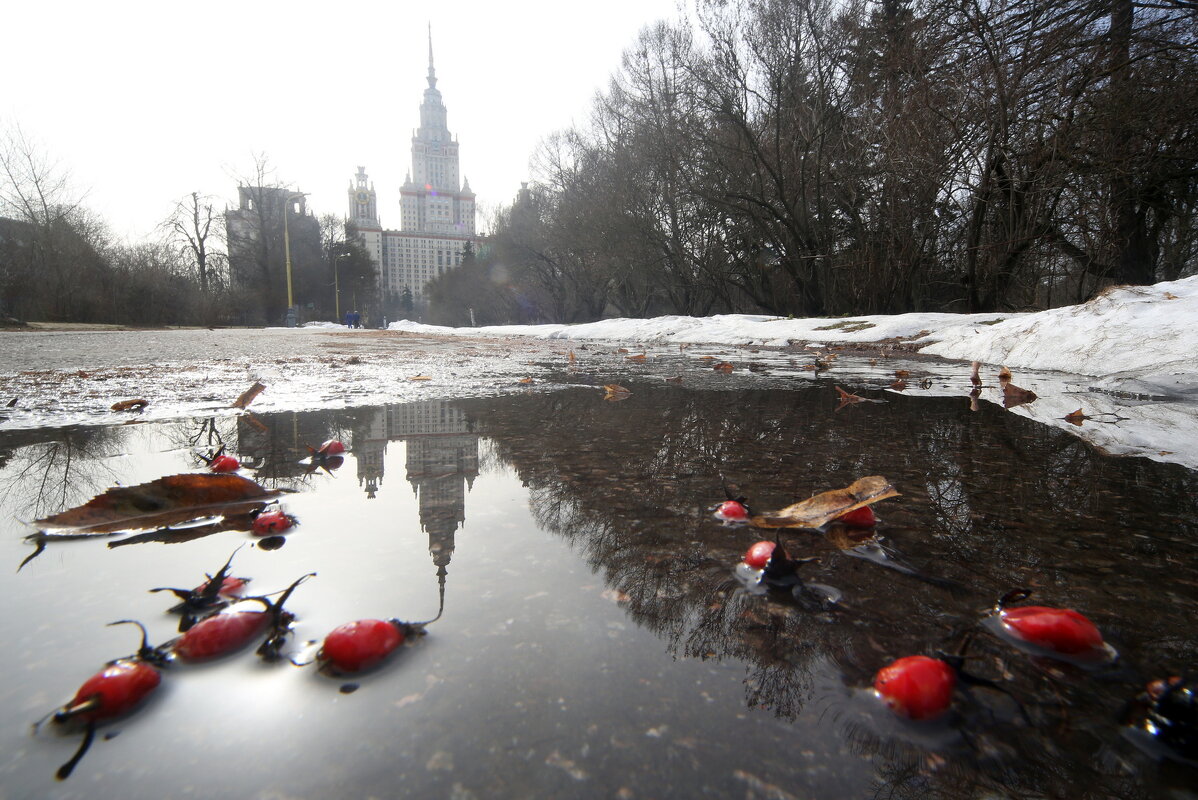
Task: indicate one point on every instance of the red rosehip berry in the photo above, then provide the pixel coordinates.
(859, 518)
(759, 554)
(732, 511)
(111, 692)
(917, 687)
(1061, 630)
(221, 634)
(224, 464)
(359, 645)
(270, 522)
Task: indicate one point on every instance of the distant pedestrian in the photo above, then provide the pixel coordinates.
(349, 319)
(356, 319)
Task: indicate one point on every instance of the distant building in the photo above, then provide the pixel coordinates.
(436, 211)
(254, 233)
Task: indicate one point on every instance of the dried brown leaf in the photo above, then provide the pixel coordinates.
(1013, 396)
(827, 506)
(248, 395)
(131, 405)
(1076, 417)
(637, 357)
(614, 391)
(421, 378)
(166, 501)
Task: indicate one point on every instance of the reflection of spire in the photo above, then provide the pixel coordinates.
(370, 446)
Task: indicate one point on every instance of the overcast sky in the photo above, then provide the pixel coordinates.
(145, 102)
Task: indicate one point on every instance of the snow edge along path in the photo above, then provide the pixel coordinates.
(1139, 339)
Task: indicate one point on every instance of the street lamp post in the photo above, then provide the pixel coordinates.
(292, 312)
(337, 287)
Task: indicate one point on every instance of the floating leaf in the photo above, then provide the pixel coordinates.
(1013, 396)
(899, 385)
(614, 391)
(421, 378)
(637, 357)
(524, 380)
(902, 373)
(248, 395)
(572, 358)
(167, 501)
(1076, 417)
(723, 366)
(827, 506)
(131, 405)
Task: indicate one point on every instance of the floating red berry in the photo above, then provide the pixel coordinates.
(759, 554)
(331, 448)
(224, 463)
(270, 522)
(1061, 630)
(229, 631)
(863, 517)
(359, 645)
(917, 687)
(113, 691)
(732, 511)
(221, 634)
(206, 598)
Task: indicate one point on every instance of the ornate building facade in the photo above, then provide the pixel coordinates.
(436, 208)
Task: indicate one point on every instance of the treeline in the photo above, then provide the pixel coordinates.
(828, 157)
(59, 262)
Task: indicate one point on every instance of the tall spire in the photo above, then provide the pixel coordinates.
(432, 75)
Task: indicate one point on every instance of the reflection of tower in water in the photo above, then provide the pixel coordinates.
(442, 462)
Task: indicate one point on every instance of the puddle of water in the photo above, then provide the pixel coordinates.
(594, 640)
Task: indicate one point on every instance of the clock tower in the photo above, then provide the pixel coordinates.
(363, 202)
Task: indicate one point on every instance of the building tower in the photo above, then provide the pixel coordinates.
(437, 208)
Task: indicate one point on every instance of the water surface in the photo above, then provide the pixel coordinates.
(594, 641)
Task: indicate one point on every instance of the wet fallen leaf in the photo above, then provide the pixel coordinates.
(1076, 417)
(723, 366)
(131, 405)
(1013, 396)
(1170, 296)
(572, 358)
(902, 373)
(707, 358)
(163, 502)
(637, 357)
(622, 350)
(674, 379)
(1004, 374)
(248, 395)
(827, 506)
(525, 380)
(614, 391)
(847, 397)
(899, 385)
(421, 378)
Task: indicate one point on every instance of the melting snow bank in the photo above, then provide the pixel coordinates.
(1138, 339)
(1135, 339)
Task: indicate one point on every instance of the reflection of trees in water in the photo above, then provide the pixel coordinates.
(990, 500)
(40, 477)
